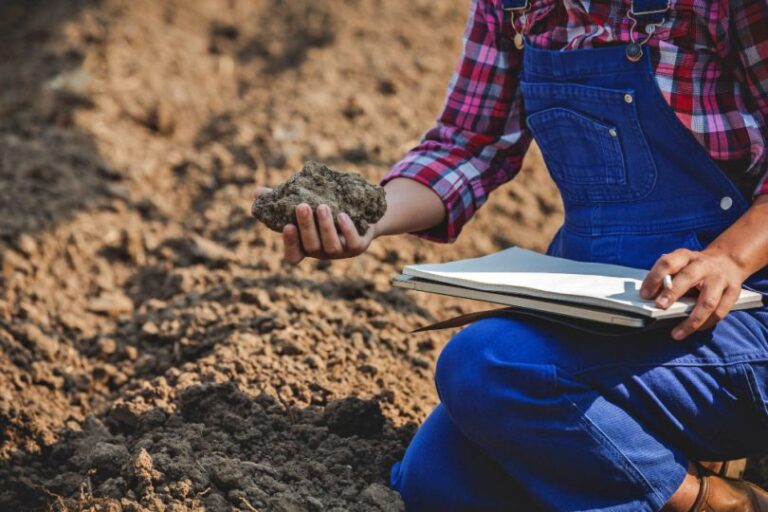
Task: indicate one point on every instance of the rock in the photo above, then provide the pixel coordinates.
(142, 467)
(112, 304)
(65, 483)
(150, 330)
(256, 296)
(354, 416)
(74, 82)
(315, 504)
(27, 245)
(225, 473)
(316, 184)
(386, 87)
(210, 251)
(107, 458)
(107, 346)
(160, 118)
(383, 498)
(125, 413)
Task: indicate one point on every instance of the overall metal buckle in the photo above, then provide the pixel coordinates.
(514, 8)
(634, 51)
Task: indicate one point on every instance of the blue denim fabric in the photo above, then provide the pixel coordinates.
(534, 413)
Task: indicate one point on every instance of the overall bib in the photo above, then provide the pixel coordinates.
(535, 416)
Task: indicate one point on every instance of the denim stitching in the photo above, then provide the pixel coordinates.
(631, 470)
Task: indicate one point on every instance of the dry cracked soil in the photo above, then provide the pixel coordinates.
(155, 352)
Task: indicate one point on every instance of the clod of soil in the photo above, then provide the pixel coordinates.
(316, 184)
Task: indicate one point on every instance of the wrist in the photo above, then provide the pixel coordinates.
(730, 262)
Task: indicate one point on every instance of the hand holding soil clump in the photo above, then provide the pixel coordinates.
(316, 184)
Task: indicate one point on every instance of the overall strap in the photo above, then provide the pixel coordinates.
(515, 5)
(649, 11)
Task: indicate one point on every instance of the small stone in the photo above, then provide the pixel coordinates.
(125, 414)
(425, 345)
(107, 346)
(27, 245)
(131, 353)
(313, 362)
(73, 321)
(150, 329)
(142, 467)
(354, 416)
(112, 304)
(384, 498)
(286, 347)
(315, 504)
(368, 369)
(107, 458)
(386, 87)
(256, 296)
(210, 251)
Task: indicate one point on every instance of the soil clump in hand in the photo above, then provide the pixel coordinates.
(316, 184)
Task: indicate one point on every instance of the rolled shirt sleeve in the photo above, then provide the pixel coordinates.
(480, 137)
(749, 29)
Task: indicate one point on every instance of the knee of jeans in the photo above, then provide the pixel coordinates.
(463, 367)
(418, 491)
(476, 379)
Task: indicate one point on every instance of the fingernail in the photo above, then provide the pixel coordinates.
(344, 217)
(663, 301)
(322, 211)
(677, 334)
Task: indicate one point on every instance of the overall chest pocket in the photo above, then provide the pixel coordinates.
(577, 149)
(591, 141)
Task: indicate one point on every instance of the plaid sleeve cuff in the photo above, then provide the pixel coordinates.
(452, 190)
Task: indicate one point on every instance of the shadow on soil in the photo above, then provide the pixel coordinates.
(218, 447)
(49, 168)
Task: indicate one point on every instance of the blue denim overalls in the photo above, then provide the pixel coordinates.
(541, 417)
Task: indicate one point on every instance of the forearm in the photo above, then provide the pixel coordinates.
(411, 206)
(746, 241)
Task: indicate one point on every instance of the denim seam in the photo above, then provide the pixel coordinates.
(693, 362)
(548, 75)
(626, 464)
(660, 105)
(610, 148)
(757, 396)
(584, 93)
(626, 228)
(570, 90)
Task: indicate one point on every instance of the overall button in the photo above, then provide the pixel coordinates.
(628, 98)
(726, 203)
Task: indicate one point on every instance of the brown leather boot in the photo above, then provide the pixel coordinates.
(729, 468)
(721, 494)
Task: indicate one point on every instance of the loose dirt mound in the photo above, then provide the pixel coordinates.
(154, 352)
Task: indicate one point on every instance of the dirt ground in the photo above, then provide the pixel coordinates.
(155, 353)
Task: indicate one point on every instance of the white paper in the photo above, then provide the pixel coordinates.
(523, 272)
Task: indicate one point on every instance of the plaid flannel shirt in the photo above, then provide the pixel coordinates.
(710, 60)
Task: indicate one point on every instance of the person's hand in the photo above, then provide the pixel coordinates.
(713, 274)
(321, 239)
